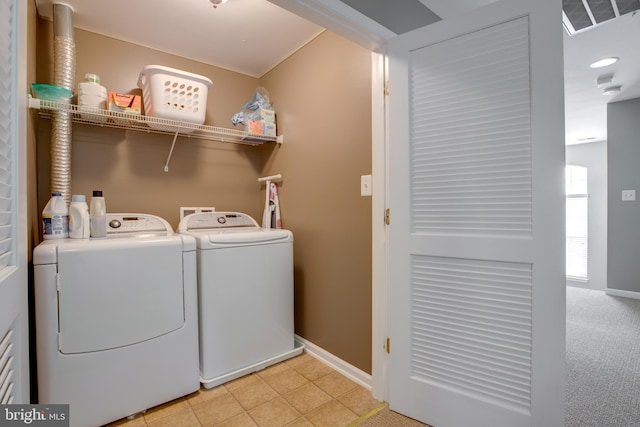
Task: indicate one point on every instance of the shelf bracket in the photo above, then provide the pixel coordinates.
(173, 144)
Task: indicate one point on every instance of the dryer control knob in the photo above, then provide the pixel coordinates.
(222, 219)
(114, 223)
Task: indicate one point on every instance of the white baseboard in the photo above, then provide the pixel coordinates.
(346, 369)
(621, 293)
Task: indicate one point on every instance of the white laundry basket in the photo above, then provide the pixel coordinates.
(173, 94)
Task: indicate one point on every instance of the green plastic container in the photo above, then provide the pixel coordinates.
(51, 93)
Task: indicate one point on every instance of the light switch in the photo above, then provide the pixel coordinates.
(628, 195)
(365, 185)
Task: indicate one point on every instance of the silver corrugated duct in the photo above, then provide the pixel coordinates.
(64, 71)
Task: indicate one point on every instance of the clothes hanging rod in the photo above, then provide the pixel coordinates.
(270, 178)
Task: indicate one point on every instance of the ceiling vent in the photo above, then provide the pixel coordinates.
(580, 15)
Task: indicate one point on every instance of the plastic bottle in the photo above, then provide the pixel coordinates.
(55, 218)
(79, 227)
(98, 215)
(92, 95)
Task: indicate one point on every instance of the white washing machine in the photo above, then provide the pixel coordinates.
(116, 319)
(245, 295)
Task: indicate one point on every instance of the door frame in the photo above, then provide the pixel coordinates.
(379, 235)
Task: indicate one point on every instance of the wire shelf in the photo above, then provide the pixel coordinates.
(112, 119)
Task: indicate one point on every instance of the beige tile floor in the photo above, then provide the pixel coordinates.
(300, 391)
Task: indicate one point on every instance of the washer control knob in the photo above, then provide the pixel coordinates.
(222, 219)
(115, 223)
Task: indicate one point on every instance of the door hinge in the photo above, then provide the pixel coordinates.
(388, 345)
(387, 216)
(386, 88)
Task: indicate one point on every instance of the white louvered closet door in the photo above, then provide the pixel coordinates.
(14, 334)
(476, 239)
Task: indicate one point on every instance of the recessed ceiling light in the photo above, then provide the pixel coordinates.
(612, 90)
(604, 62)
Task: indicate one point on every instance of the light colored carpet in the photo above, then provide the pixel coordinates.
(603, 365)
(603, 360)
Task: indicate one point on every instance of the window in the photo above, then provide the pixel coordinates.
(577, 222)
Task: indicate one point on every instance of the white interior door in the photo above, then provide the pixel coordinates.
(14, 315)
(476, 241)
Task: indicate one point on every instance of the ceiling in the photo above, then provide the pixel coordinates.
(585, 104)
(247, 36)
(253, 36)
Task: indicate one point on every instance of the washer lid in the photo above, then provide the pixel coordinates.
(217, 221)
(256, 236)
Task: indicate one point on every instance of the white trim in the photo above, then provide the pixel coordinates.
(255, 367)
(577, 281)
(379, 323)
(337, 364)
(622, 293)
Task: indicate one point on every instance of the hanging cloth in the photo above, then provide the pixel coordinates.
(271, 216)
(266, 215)
(274, 207)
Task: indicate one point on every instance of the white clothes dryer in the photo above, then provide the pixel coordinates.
(245, 294)
(116, 319)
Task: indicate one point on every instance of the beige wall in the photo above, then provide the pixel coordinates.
(322, 99)
(128, 165)
(322, 96)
